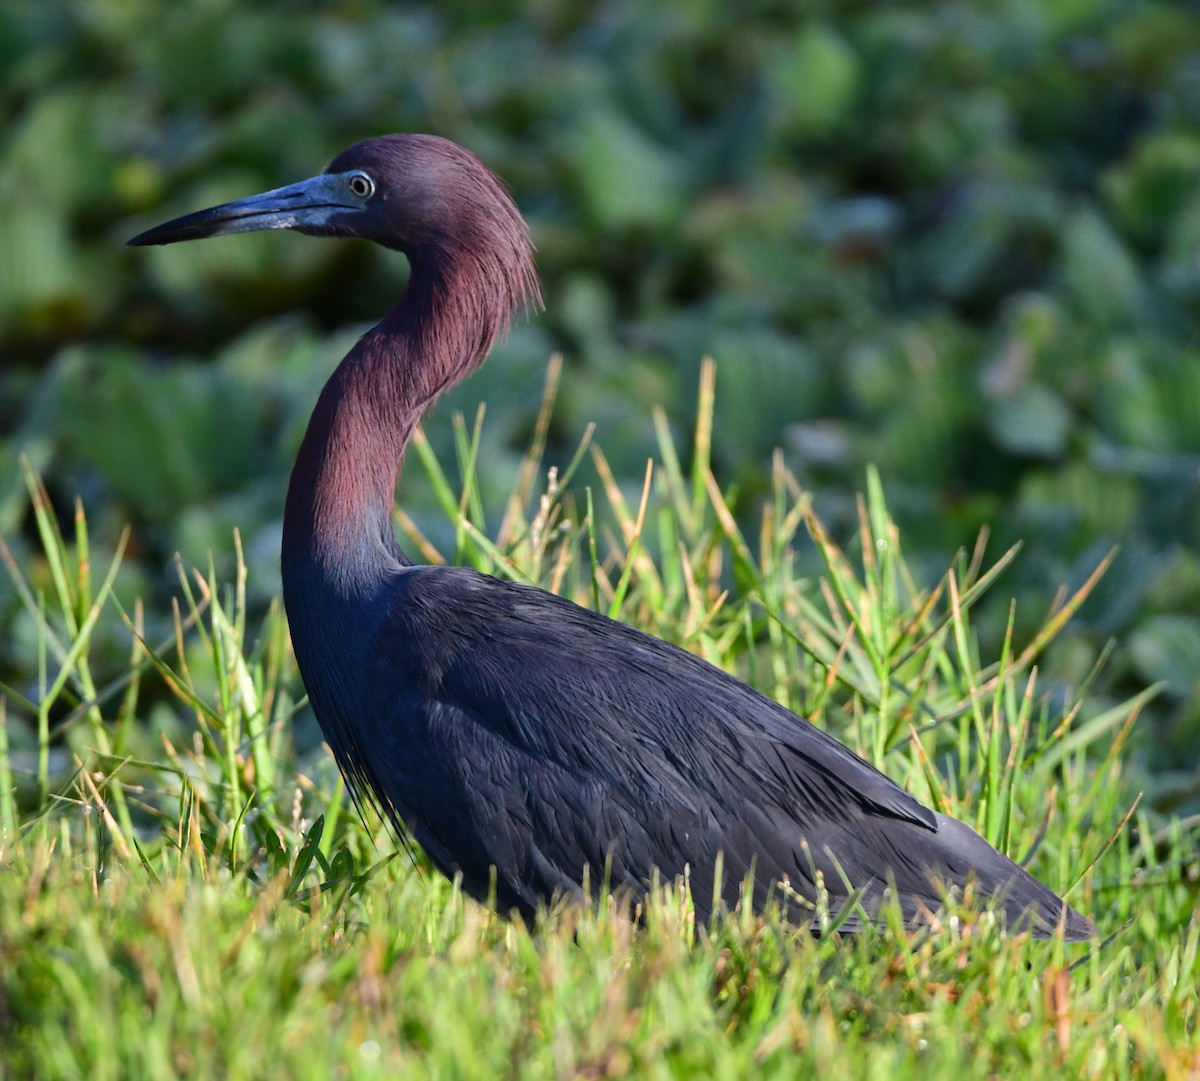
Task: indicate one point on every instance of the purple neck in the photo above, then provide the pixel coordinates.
(338, 518)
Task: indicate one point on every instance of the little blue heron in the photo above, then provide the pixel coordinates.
(533, 747)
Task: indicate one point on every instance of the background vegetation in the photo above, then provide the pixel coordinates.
(955, 240)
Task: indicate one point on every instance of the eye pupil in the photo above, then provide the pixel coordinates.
(361, 185)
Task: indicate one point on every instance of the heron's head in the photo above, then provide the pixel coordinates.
(419, 194)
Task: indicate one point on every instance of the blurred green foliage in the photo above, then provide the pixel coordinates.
(956, 239)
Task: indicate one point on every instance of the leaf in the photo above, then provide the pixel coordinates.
(1034, 422)
(1099, 272)
(817, 76)
(626, 179)
(1167, 650)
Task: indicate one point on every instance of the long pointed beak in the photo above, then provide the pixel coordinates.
(307, 205)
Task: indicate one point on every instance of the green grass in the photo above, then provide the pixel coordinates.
(185, 891)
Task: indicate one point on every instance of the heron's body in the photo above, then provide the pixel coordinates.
(534, 747)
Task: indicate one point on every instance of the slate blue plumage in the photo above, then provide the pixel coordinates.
(531, 745)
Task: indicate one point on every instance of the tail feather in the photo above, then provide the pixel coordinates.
(1026, 903)
(923, 868)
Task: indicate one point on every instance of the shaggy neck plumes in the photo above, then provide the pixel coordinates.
(460, 298)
